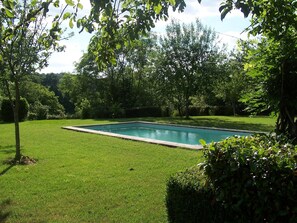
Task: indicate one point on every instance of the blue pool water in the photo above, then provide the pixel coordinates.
(170, 133)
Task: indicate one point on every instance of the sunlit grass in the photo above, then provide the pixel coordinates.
(258, 123)
(83, 177)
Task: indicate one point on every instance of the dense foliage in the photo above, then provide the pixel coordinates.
(275, 56)
(190, 199)
(187, 62)
(253, 179)
(7, 111)
(43, 102)
(165, 72)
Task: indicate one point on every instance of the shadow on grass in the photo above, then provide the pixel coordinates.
(6, 169)
(7, 149)
(229, 124)
(10, 149)
(204, 121)
(4, 214)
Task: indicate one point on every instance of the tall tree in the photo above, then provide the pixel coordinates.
(233, 80)
(185, 57)
(276, 21)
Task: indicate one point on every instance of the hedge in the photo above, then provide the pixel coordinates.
(143, 112)
(210, 110)
(189, 199)
(254, 177)
(7, 111)
(248, 179)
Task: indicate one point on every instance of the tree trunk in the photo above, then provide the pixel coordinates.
(187, 108)
(16, 122)
(286, 123)
(234, 108)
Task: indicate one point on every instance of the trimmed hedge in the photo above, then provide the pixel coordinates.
(7, 111)
(189, 199)
(210, 110)
(255, 178)
(249, 179)
(143, 112)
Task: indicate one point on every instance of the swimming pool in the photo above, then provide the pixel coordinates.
(165, 134)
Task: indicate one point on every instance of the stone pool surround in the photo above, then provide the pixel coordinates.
(153, 141)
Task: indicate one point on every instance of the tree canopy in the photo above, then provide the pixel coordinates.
(182, 67)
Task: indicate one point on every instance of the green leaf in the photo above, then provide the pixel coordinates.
(158, 8)
(33, 2)
(224, 13)
(118, 46)
(71, 23)
(173, 2)
(70, 2)
(80, 6)
(67, 15)
(202, 142)
(57, 3)
(9, 13)
(113, 61)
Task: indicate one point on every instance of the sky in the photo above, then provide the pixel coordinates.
(228, 30)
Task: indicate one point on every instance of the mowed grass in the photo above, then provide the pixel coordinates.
(83, 177)
(256, 123)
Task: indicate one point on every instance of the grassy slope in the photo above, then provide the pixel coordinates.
(90, 178)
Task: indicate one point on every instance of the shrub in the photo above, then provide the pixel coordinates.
(83, 109)
(38, 111)
(210, 110)
(189, 199)
(255, 178)
(194, 111)
(7, 111)
(143, 112)
(116, 111)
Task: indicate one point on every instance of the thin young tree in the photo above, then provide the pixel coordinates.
(25, 45)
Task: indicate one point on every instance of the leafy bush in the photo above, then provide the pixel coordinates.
(83, 109)
(243, 179)
(42, 101)
(194, 111)
(210, 110)
(254, 178)
(116, 111)
(189, 199)
(38, 111)
(7, 111)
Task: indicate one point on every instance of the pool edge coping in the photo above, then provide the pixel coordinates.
(78, 128)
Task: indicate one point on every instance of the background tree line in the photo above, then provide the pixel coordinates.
(185, 72)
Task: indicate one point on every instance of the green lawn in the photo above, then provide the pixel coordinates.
(83, 177)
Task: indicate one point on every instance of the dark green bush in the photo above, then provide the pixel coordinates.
(7, 111)
(143, 112)
(210, 110)
(83, 109)
(243, 180)
(190, 199)
(197, 111)
(255, 178)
